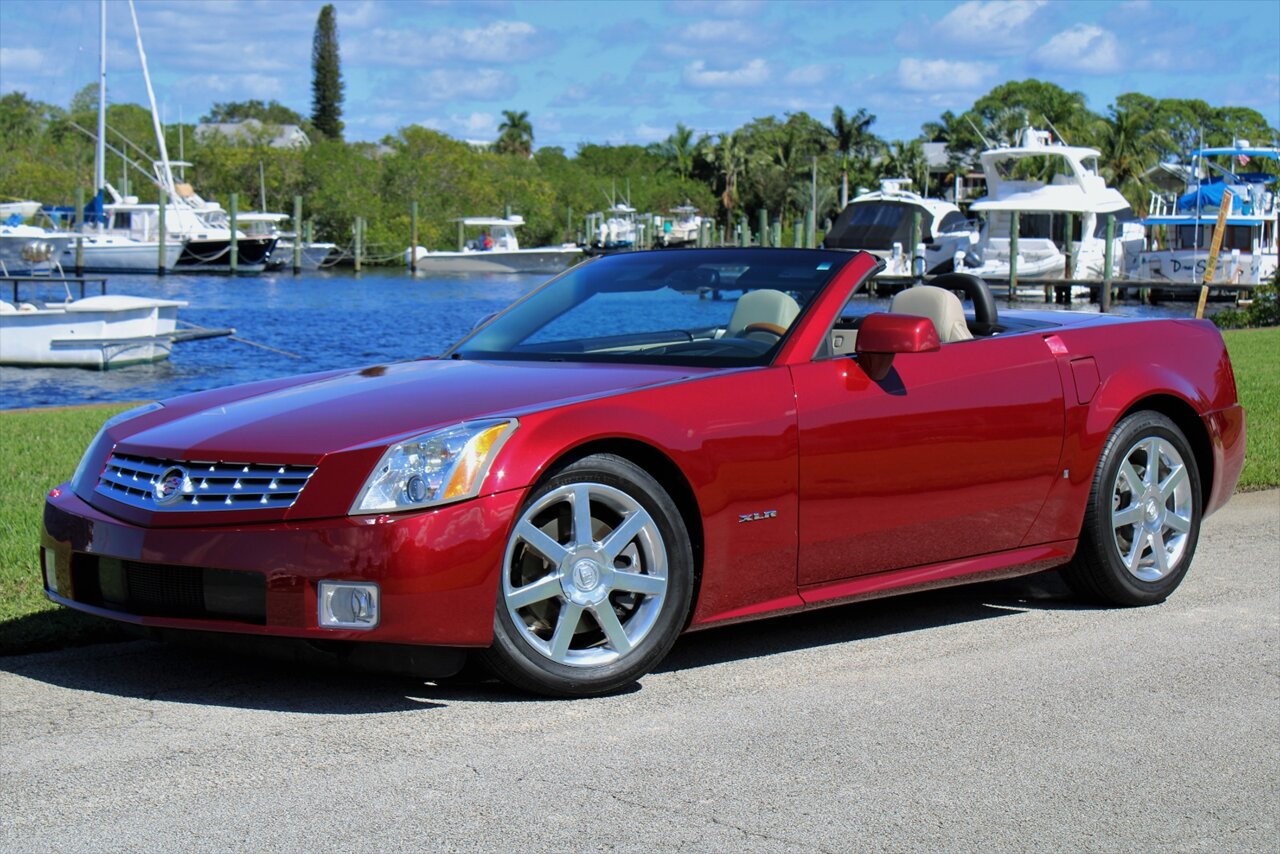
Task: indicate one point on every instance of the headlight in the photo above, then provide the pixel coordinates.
(434, 468)
(89, 453)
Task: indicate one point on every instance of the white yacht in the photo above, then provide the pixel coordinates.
(29, 249)
(495, 250)
(1180, 227)
(881, 222)
(1045, 181)
(264, 224)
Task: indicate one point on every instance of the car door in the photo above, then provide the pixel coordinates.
(950, 455)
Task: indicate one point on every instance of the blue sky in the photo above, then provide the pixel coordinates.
(629, 71)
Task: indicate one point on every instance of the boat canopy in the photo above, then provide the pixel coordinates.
(490, 221)
(1247, 151)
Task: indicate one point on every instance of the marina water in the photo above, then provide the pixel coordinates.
(328, 319)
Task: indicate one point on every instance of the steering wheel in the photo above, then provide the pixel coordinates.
(975, 290)
(762, 326)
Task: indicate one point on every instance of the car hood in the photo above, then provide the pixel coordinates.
(314, 416)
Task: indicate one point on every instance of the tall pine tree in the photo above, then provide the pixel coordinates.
(326, 76)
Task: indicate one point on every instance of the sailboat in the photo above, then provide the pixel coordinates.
(104, 244)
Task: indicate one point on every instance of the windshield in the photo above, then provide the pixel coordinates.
(685, 307)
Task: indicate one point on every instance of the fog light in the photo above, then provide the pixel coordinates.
(49, 564)
(348, 605)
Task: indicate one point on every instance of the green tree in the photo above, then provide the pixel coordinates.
(680, 149)
(270, 113)
(853, 139)
(1130, 145)
(515, 134)
(326, 76)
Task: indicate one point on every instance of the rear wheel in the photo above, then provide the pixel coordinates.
(596, 581)
(1143, 519)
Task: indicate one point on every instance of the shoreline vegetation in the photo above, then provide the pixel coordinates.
(42, 446)
(779, 166)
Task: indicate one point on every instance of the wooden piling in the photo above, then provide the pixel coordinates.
(810, 229)
(462, 236)
(79, 231)
(161, 267)
(359, 239)
(1013, 256)
(1104, 299)
(775, 238)
(233, 253)
(297, 235)
(413, 236)
(762, 225)
(916, 228)
(798, 227)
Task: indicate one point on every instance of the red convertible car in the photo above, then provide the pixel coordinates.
(654, 443)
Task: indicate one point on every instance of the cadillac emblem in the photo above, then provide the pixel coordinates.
(167, 488)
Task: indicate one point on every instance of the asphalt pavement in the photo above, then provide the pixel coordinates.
(1000, 717)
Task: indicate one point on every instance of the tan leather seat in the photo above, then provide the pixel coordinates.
(764, 306)
(939, 305)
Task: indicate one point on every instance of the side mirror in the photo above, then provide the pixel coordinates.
(882, 336)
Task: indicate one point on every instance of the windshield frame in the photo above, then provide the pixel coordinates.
(828, 261)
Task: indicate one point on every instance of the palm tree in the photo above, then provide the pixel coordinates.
(905, 160)
(1129, 148)
(730, 162)
(679, 149)
(515, 133)
(853, 137)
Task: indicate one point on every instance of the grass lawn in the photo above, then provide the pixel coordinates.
(1255, 355)
(40, 449)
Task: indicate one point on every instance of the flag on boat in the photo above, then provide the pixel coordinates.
(1243, 158)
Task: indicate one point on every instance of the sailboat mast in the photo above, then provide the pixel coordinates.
(100, 155)
(166, 175)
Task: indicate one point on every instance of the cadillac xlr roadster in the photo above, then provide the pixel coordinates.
(654, 443)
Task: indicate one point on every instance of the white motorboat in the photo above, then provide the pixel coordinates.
(107, 331)
(881, 222)
(1045, 181)
(264, 224)
(683, 228)
(618, 230)
(1180, 227)
(496, 250)
(29, 249)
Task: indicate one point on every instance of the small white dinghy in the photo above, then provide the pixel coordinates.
(100, 332)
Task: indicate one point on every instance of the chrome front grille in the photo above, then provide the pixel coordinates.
(176, 485)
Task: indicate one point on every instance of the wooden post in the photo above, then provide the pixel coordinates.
(413, 236)
(762, 224)
(359, 226)
(161, 267)
(1104, 301)
(297, 235)
(568, 226)
(79, 231)
(233, 253)
(1068, 265)
(462, 235)
(775, 238)
(915, 239)
(810, 229)
(1013, 256)
(798, 226)
(1215, 246)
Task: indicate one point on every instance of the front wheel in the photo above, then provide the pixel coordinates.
(596, 581)
(1143, 519)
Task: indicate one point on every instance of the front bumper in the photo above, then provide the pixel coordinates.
(437, 571)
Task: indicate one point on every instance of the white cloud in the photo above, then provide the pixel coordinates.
(481, 84)
(810, 75)
(999, 27)
(499, 42)
(20, 59)
(1084, 49)
(468, 126)
(720, 33)
(754, 73)
(942, 75)
(235, 87)
(718, 8)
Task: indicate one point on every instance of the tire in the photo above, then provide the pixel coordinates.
(1142, 522)
(585, 614)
